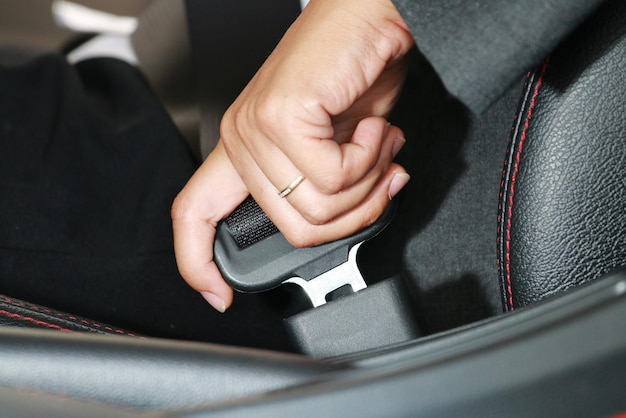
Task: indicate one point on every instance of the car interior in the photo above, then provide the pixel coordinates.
(493, 286)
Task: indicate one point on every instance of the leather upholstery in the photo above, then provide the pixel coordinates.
(17, 313)
(145, 373)
(562, 213)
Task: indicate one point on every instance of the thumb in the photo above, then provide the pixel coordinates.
(211, 194)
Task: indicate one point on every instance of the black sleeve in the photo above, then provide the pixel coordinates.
(479, 48)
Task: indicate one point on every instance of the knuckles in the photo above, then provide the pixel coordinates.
(229, 125)
(179, 208)
(267, 114)
(303, 236)
(319, 214)
(330, 181)
(331, 184)
(299, 240)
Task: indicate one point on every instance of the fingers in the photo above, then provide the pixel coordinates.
(301, 233)
(309, 217)
(332, 167)
(358, 167)
(213, 192)
(315, 148)
(325, 193)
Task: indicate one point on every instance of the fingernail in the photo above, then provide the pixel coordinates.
(215, 301)
(398, 143)
(397, 183)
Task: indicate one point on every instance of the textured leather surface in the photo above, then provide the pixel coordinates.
(562, 217)
(145, 373)
(132, 372)
(17, 313)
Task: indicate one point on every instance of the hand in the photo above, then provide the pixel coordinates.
(315, 108)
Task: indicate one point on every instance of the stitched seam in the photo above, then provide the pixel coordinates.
(511, 199)
(78, 321)
(34, 321)
(505, 182)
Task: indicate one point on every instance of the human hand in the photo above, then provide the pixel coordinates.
(315, 108)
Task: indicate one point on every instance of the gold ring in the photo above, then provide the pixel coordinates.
(291, 186)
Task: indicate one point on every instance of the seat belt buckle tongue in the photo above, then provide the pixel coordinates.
(345, 274)
(254, 262)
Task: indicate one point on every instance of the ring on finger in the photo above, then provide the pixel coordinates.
(291, 187)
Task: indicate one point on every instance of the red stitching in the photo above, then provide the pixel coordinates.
(518, 158)
(33, 307)
(504, 174)
(34, 321)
